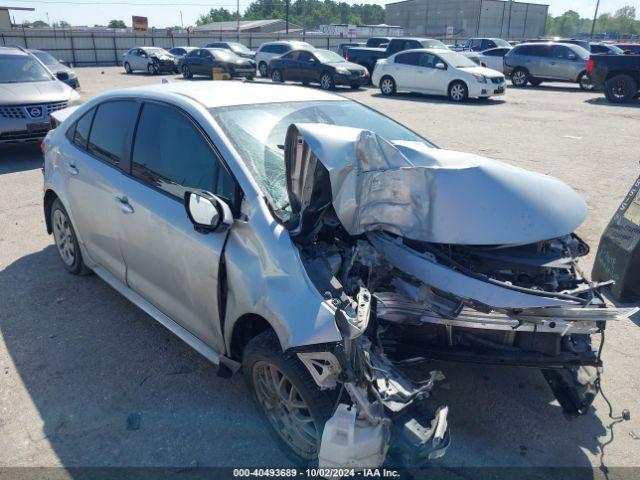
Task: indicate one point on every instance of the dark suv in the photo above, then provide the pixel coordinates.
(537, 62)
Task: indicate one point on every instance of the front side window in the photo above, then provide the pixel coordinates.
(563, 53)
(257, 132)
(326, 56)
(428, 60)
(110, 130)
(170, 153)
(46, 58)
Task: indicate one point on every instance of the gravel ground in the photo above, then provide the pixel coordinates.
(86, 379)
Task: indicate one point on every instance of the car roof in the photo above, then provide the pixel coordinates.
(13, 51)
(227, 93)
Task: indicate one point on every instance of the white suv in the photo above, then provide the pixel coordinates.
(269, 50)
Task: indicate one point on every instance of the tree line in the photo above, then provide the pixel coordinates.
(570, 24)
(305, 13)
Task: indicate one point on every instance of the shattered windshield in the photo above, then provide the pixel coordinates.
(258, 132)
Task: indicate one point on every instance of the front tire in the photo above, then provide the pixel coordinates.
(276, 76)
(66, 240)
(152, 69)
(458, 91)
(519, 78)
(620, 89)
(387, 86)
(294, 408)
(186, 72)
(262, 69)
(127, 67)
(584, 80)
(326, 81)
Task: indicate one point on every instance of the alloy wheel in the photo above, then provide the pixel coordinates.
(387, 86)
(276, 76)
(285, 409)
(64, 237)
(326, 82)
(519, 78)
(457, 92)
(619, 90)
(262, 68)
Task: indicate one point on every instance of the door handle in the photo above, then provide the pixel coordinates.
(72, 169)
(125, 206)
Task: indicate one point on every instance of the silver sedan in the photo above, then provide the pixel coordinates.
(326, 250)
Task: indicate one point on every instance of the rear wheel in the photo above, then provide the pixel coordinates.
(458, 91)
(262, 68)
(620, 89)
(584, 80)
(276, 76)
(387, 86)
(294, 407)
(66, 240)
(519, 77)
(326, 81)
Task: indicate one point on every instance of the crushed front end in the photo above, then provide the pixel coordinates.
(428, 254)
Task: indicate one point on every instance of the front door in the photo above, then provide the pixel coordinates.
(168, 262)
(307, 70)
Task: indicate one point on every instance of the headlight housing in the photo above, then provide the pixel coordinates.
(480, 78)
(342, 71)
(74, 99)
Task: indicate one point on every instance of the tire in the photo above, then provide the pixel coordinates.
(249, 77)
(387, 86)
(127, 67)
(263, 69)
(326, 81)
(66, 241)
(458, 91)
(535, 82)
(263, 359)
(620, 89)
(355, 87)
(276, 76)
(152, 69)
(584, 80)
(519, 77)
(186, 72)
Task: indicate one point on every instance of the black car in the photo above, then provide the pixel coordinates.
(56, 66)
(343, 47)
(318, 66)
(203, 60)
(237, 48)
(180, 52)
(607, 48)
(617, 75)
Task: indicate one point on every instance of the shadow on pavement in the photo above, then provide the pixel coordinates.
(114, 388)
(20, 158)
(422, 98)
(603, 101)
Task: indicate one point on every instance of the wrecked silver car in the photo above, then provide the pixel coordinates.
(328, 252)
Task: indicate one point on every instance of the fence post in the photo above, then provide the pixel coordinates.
(24, 34)
(250, 41)
(188, 38)
(115, 49)
(95, 52)
(327, 42)
(3, 40)
(73, 49)
(153, 37)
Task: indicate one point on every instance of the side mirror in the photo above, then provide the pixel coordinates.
(441, 66)
(207, 212)
(63, 76)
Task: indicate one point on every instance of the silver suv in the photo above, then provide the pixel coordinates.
(556, 62)
(29, 93)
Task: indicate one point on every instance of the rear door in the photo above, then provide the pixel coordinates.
(407, 71)
(539, 61)
(168, 262)
(94, 179)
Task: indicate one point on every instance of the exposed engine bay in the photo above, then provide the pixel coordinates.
(428, 254)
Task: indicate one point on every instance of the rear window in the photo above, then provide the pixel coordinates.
(110, 130)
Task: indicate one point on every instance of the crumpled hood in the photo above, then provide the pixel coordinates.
(34, 92)
(423, 193)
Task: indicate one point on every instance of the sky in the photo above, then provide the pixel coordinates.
(163, 13)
